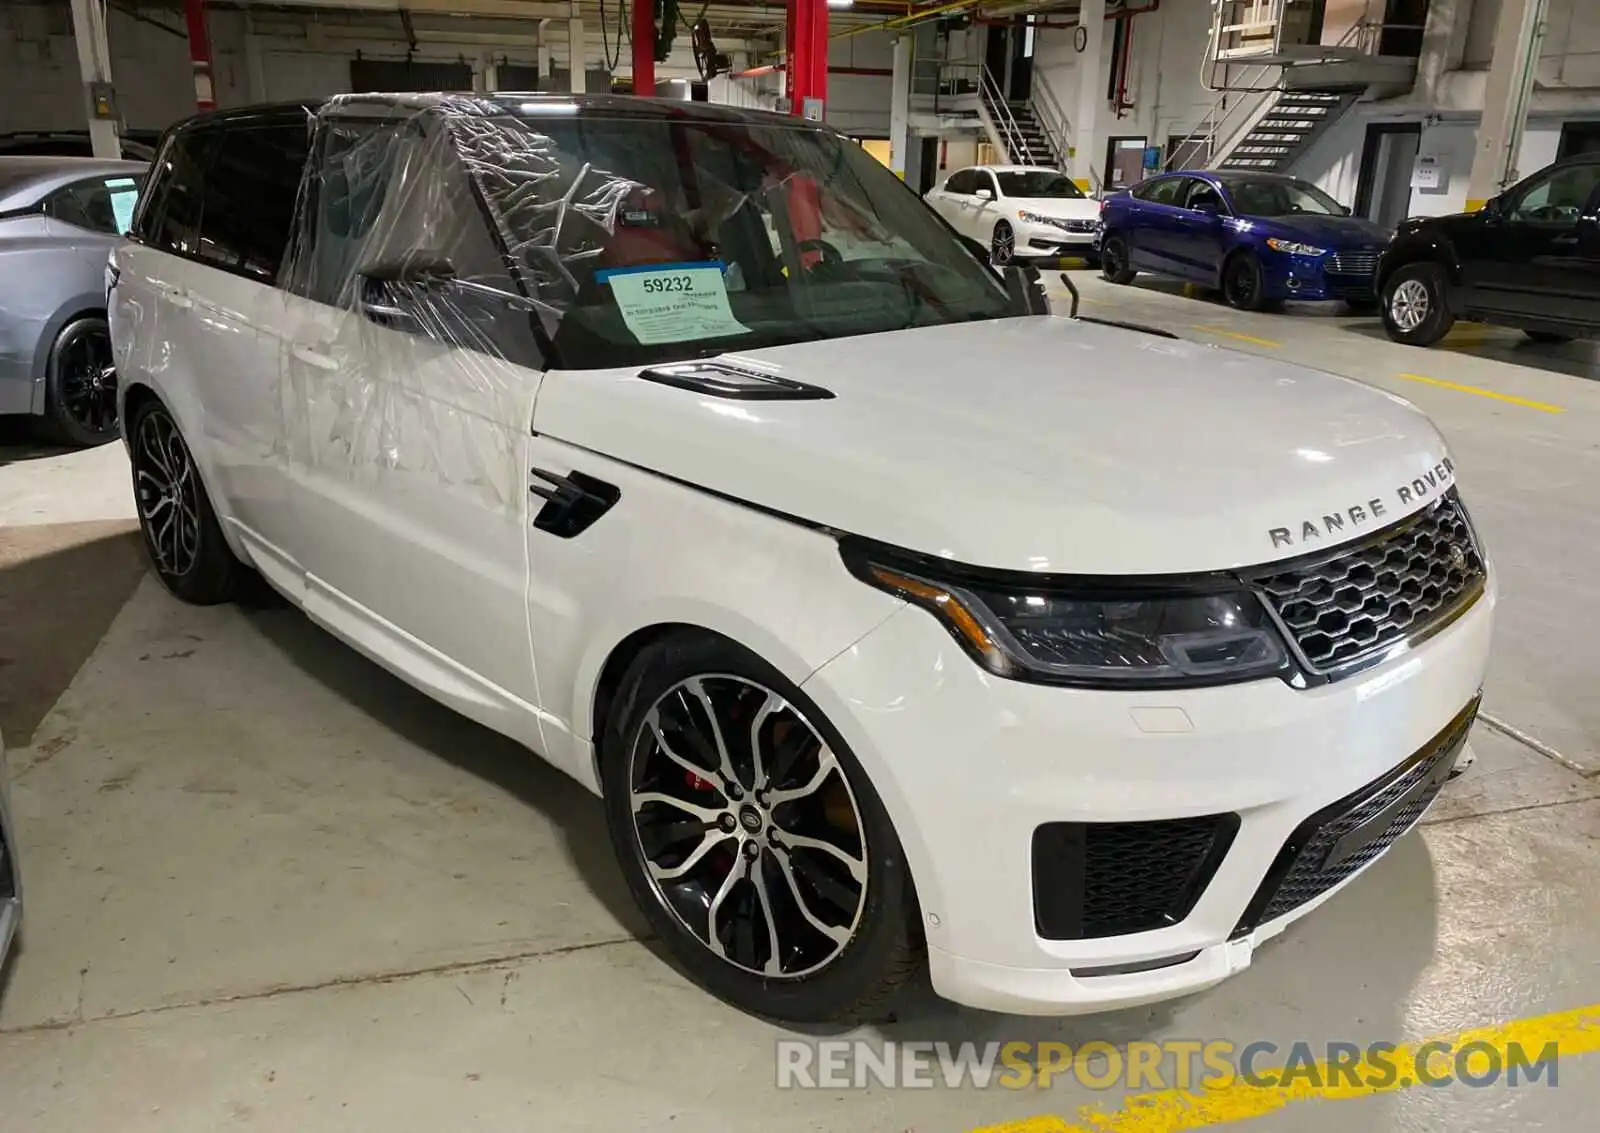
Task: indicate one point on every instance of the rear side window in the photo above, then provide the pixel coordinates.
(250, 193)
(963, 182)
(103, 204)
(172, 223)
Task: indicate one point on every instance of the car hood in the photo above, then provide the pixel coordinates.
(1067, 208)
(1043, 444)
(1328, 231)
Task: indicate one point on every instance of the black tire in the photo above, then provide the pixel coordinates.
(1242, 283)
(1114, 260)
(1548, 338)
(859, 976)
(80, 399)
(182, 538)
(1002, 245)
(1416, 304)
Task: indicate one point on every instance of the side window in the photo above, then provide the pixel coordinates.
(1559, 197)
(962, 182)
(103, 204)
(174, 225)
(250, 197)
(986, 181)
(353, 166)
(1202, 192)
(1164, 191)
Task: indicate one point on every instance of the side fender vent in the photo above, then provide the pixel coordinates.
(718, 379)
(572, 502)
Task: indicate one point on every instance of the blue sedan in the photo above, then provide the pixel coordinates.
(1260, 238)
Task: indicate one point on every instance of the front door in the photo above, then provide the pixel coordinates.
(410, 382)
(1535, 256)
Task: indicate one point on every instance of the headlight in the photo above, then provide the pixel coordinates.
(1096, 637)
(1039, 218)
(1294, 249)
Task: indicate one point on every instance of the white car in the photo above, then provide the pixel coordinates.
(894, 621)
(1019, 211)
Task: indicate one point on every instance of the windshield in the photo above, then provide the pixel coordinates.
(1271, 197)
(1037, 183)
(644, 240)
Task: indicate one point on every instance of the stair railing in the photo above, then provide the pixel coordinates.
(1005, 123)
(1227, 121)
(1052, 119)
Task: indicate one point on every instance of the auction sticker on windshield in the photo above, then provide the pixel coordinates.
(673, 302)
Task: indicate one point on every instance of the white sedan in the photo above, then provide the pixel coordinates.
(1019, 212)
(894, 622)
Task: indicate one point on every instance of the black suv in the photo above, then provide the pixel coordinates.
(1529, 259)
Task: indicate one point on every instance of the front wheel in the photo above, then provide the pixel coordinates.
(1114, 260)
(1003, 245)
(1242, 286)
(752, 839)
(1416, 305)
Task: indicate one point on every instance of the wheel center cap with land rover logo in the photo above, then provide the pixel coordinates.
(750, 819)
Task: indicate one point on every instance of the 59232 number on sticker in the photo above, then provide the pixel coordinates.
(669, 283)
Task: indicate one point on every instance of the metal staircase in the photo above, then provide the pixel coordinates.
(1280, 88)
(1022, 130)
(1292, 121)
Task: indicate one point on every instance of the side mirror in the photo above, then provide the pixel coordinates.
(392, 290)
(1208, 207)
(984, 194)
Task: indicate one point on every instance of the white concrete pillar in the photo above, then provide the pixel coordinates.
(900, 106)
(1517, 36)
(575, 54)
(1444, 44)
(1084, 164)
(94, 65)
(255, 71)
(544, 54)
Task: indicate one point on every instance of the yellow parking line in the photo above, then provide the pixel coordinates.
(1173, 1111)
(1510, 399)
(1236, 334)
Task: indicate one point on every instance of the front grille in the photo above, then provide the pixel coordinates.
(1339, 840)
(1096, 879)
(1077, 225)
(1356, 603)
(1364, 264)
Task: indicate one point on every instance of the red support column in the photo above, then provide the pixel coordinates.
(790, 45)
(819, 53)
(194, 12)
(644, 47)
(806, 26)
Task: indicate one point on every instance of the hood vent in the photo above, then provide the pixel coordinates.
(735, 383)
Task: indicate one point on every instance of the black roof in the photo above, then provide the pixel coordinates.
(515, 103)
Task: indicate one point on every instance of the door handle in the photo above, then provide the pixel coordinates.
(313, 357)
(1568, 241)
(177, 298)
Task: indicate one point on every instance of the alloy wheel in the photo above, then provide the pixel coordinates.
(168, 492)
(1410, 304)
(86, 381)
(749, 832)
(1005, 244)
(1241, 283)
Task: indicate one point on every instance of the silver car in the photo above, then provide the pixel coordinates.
(59, 217)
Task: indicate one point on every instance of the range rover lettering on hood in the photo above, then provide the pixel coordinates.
(1339, 524)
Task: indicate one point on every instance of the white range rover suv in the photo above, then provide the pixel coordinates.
(894, 621)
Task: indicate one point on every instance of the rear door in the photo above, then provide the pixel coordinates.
(1538, 257)
(956, 200)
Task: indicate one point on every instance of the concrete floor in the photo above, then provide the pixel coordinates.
(269, 886)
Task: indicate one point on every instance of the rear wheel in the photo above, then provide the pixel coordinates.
(181, 533)
(80, 387)
(751, 838)
(1114, 260)
(1416, 305)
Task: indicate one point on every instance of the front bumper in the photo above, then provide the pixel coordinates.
(1352, 277)
(970, 767)
(1036, 240)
